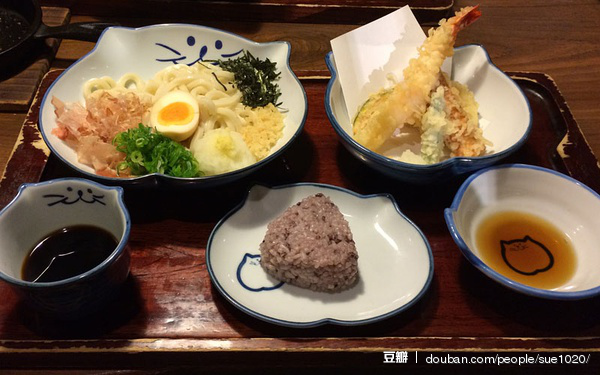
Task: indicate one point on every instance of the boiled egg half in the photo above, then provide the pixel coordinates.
(175, 115)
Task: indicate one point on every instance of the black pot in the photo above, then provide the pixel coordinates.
(22, 32)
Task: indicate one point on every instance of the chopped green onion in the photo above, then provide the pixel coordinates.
(147, 151)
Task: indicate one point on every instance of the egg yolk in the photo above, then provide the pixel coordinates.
(178, 113)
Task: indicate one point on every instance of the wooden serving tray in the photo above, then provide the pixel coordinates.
(171, 317)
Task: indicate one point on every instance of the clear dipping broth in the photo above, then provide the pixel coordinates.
(526, 248)
(67, 252)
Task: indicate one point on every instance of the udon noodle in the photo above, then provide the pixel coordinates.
(219, 102)
(214, 88)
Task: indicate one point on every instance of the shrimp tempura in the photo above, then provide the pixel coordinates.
(407, 101)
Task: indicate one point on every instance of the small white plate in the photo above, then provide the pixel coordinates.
(395, 261)
(567, 203)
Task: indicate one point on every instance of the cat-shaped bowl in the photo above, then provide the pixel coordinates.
(149, 49)
(40, 209)
(502, 104)
(568, 205)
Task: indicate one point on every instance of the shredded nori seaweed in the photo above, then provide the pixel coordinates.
(255, 78)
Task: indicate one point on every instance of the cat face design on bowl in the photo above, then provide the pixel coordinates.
(179, 57)
(253, 277)
(72, 196)
(517, 255)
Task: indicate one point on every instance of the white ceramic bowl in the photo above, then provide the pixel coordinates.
(147, 50)
(501, 103)
(568, 204)
(395, 262)
(42, 208)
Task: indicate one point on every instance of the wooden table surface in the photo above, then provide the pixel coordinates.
(558, 38)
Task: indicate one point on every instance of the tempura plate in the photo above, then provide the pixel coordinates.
(504, 110)
(395, 260)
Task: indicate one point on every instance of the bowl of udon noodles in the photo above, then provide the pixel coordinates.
(173, 105)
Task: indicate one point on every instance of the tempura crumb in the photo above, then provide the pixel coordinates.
(263, 128)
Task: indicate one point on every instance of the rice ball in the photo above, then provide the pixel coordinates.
(311, 246)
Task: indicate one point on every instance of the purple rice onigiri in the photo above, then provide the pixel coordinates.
(310, 245)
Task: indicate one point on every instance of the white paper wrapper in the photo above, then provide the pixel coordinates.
(367, 56)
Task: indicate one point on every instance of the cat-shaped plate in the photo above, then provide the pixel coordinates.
(395, 260)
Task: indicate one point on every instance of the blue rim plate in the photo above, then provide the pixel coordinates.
(451, 222)
(145, 51)
(395, 260)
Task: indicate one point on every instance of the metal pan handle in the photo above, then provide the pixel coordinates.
(87, 31)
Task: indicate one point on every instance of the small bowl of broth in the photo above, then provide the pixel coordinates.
(63, 245)
(532, 229)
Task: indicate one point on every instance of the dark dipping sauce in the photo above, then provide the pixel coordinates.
(13, 28)
(68, 252)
